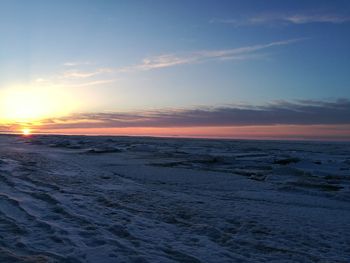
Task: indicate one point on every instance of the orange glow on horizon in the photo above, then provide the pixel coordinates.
(275, 132)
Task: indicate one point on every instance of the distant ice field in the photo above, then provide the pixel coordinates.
(133, 199)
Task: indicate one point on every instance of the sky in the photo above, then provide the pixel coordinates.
(231, 69)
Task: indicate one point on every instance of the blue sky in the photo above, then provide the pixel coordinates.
(138, 55)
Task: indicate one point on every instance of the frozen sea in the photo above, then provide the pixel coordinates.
(133, 199)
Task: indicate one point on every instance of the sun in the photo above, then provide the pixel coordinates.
(26, 131)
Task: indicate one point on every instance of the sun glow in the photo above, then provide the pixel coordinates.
(26, 131)
(33, 104)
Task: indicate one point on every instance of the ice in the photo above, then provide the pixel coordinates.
(134, 199)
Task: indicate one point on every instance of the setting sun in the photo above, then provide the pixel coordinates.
(26, 131)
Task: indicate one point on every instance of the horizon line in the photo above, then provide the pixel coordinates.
(199, 137)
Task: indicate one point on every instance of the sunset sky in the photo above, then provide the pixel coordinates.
(231, 69)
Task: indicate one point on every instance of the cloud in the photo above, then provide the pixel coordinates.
(86, 84)
(179, 58)
(306, 112)
(284, 19)
(304, 19)
(76, 63)
(169, 60)
(77, 78)
(78, 74)
(90, 76)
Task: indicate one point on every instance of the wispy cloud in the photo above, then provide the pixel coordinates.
(76, 63)
(305, 112)
(87, 83)
(284, 19)
(79, 74)
(303, 19)
(76, 79)
(169, 60)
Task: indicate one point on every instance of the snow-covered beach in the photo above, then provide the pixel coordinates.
(131, 199)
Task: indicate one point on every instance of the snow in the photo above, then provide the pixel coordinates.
(133, 199)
